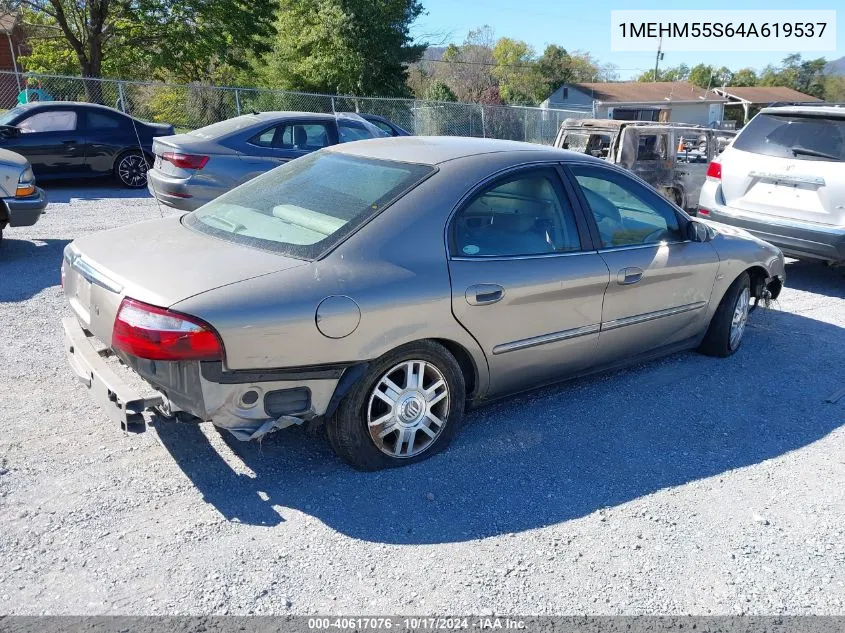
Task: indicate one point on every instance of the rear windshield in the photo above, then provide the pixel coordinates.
(224, 128)
(307, 205)
(794, 136)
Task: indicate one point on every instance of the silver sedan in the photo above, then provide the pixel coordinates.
(193, 168)
(383, 287)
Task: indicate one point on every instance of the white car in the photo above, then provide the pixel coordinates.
(783, 180)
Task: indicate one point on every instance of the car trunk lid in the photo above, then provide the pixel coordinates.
(160, 262)
(187, 145)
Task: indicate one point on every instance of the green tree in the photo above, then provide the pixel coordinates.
(357, 47)
(468, 69)
(673, 73)
(438, 91)
(129, 37)
(806, 76)
(834, 88)
(516, 71)
(707, 76)
(744, 77)
(554, 68)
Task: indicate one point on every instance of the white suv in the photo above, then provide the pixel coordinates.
(783, 179)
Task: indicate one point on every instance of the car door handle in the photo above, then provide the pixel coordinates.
(484, 294)
(71, 142)
(628, 276)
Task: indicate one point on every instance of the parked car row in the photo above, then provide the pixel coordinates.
(304, 305)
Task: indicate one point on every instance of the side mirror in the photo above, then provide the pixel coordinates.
(698, 232)
(9, 131)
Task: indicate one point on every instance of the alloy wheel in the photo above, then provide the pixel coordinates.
(408, 409)
(132, 170)
(740, 317)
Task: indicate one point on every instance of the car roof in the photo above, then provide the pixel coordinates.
(807, 110)
(66, 104)
(433, 150)
(285, 114)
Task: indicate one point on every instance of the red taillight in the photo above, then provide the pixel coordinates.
(703, 211)
(714, 170)
(185, 161)
(155, 333)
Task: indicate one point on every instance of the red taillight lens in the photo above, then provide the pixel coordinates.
(185, 161)
(703, 211)
(714, 170)
(151, 332)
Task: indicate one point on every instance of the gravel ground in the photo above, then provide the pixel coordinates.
(688, 485)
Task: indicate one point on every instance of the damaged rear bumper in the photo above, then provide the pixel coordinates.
(120, 402)
(248, 404)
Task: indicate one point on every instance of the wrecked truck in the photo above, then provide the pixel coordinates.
(671, 157)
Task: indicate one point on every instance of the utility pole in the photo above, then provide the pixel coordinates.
(658, 58)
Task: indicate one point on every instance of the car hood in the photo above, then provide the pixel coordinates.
(163, 262)
(12, 158)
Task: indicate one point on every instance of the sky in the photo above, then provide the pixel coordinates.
(585, 25)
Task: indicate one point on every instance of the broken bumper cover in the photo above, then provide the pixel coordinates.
(248, 405)
(120, 402)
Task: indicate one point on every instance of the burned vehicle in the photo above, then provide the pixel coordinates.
(671, 157)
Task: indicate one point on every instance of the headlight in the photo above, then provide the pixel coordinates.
(26, 183)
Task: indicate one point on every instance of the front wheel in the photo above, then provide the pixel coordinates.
(724, 336)
(131, 169)
(405, 409)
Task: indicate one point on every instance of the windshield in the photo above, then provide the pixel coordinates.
(307, 205)
(9, 115)
(587, 143)
(802, 137)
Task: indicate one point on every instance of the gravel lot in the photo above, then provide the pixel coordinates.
(689, 485)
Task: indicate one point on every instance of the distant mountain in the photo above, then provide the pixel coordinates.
(835, 67)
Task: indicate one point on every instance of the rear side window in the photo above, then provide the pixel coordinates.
(307, 205)
(652, 147)
(99, 121)
(523, 215)
(794, 136)
(299, 136)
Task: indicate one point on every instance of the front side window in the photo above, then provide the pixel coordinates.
(307, 205)
(626, 212)
(49, 121)
(801, 137)
(524, 215)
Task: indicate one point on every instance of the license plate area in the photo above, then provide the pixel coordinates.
(79, 297)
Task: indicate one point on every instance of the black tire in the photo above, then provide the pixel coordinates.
(128, 166)
(717, 341)
(348, 429)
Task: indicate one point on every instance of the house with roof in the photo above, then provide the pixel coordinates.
(12, 43)
(752, 98)
(675, 101)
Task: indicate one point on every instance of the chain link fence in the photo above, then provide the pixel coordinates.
(190, 106)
